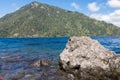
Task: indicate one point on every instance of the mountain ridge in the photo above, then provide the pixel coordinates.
(43, 20)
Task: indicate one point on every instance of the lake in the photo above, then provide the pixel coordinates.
(47, 47)
(17, 55)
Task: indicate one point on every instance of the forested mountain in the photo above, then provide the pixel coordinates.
(42, 20)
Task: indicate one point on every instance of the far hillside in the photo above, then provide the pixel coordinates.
(42, 20)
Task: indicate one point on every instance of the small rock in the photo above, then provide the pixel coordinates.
(41, 62)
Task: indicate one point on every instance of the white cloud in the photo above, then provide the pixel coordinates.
(1, 15)
(93, 7)
(114, 3)
(76, 6)
(113, 17)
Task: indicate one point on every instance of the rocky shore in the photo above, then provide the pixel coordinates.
(17, 67)
(82, 59)
(87, 59)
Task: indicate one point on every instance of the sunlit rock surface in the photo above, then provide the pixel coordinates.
(87, 59)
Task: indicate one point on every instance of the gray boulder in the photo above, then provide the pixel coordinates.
(87, 59)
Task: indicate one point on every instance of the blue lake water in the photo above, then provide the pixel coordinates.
(47, 47)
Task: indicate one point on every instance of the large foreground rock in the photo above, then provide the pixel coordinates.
(87, 59)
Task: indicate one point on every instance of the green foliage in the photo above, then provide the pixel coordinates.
(42, 20)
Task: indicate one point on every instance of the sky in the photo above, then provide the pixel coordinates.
(103, 10)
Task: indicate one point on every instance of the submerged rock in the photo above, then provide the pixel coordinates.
(41, 62)
(87, 59)
(12, 56)
(24, 68)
